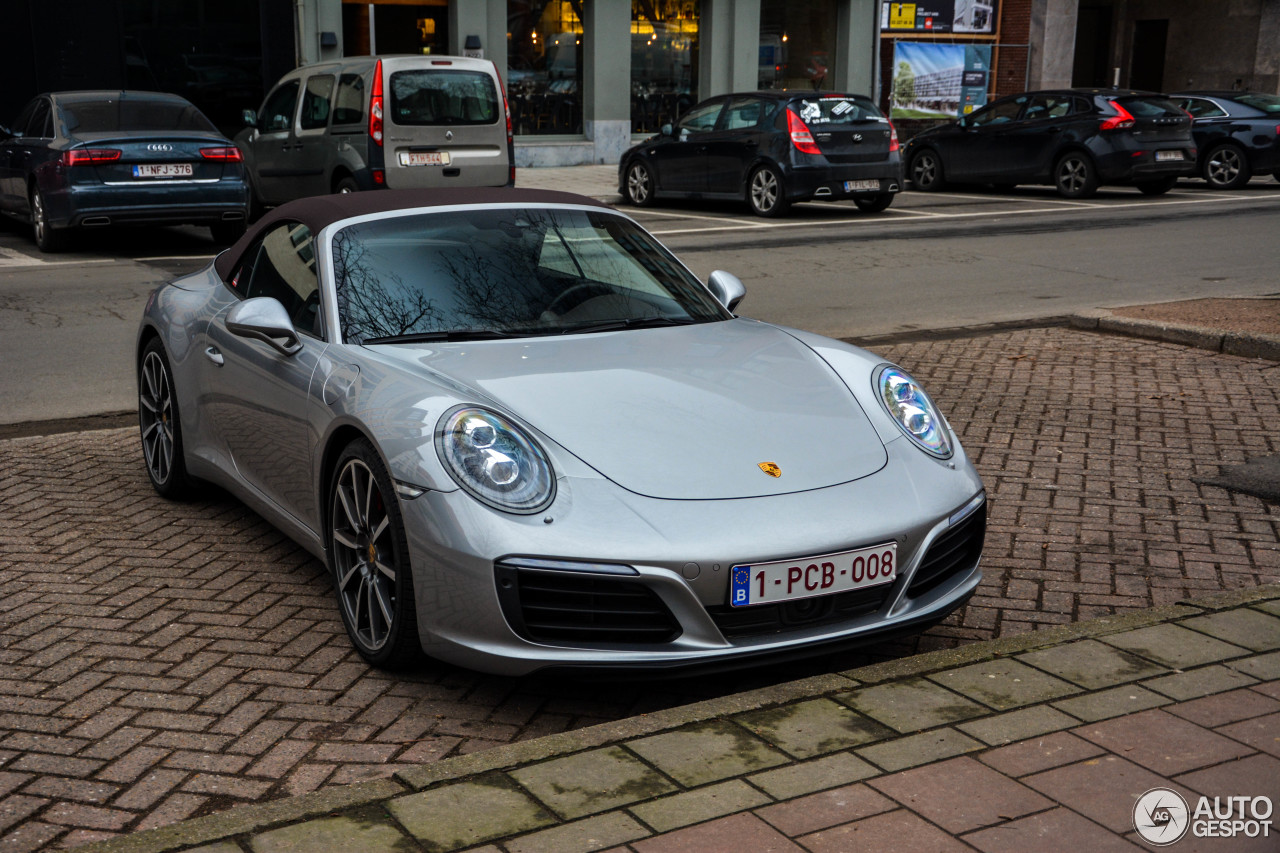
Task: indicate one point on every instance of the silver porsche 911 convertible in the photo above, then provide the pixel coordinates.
(522, 435)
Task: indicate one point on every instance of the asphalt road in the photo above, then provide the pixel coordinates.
(931, 261)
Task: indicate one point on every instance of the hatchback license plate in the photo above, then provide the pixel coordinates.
(424, 158)
(859, 186)
(162, 170)
(1168, 155)
(788, 580)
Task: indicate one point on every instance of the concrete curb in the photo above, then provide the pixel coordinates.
(1241, 344)
(255, 818)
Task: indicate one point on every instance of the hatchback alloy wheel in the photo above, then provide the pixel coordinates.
(1075, 176)
(639, 185)
(765, 192)
(1225, 168)
(926, 171)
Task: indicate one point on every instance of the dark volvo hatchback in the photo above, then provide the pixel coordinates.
(83, 159)
(1073, 139)
(770, 149)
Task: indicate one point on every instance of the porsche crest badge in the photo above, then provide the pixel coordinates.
(771, 468)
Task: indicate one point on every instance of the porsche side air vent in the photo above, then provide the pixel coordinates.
(953, 552)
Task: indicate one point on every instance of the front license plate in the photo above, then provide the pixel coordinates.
(424, 158)
(859, 186)
(1168, 155)
(788, 580)
(162, 170)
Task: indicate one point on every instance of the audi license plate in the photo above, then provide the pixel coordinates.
(162, 170)
(424, 158)
(788, 580)
(1168, 155)
(860, 186)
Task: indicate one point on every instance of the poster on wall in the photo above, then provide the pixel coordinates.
(932, 80)
(967, 17)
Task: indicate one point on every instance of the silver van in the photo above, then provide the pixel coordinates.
(369, 122)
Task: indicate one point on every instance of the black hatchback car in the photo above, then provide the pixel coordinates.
(1073, 139)
(770, 149)
(1236, 133)
(84, 159)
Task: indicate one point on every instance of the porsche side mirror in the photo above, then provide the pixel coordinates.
(727, 288)
(249, 117)
(264, 318)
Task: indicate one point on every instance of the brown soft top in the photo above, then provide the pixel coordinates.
(318, 211)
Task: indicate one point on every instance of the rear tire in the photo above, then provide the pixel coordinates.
(766, 193)
(345, 185)
(1226, 167)
(639, 186)
(1075, 176)
(1159, 187)
(160, 425)
(47, 238)
(875, 203)
(926, 171)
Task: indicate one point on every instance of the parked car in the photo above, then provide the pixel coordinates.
(772, 149)
(1236, 133)
(523, 435)
(88, 159)
(369, 122)
(1073, 139)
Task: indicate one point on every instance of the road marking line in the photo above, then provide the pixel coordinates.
(177, 258)
(695, 216)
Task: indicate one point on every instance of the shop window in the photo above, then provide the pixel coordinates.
(544, 66)
(664, 62)
(797, 44)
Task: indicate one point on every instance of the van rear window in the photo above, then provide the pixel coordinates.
(443, 96)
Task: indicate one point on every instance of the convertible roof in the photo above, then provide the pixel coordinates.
(318, 211)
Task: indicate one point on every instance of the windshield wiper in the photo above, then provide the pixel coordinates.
(449, 335)
(629, 323)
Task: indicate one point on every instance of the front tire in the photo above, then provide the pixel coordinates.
(766, 193)
(160, 425)
(875, 203)
(47, 238)
(1158, 187)
(1226, 167)
(926, 171)
(639, 184)
(1075, 176)
(369, 556)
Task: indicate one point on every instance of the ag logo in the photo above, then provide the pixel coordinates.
(1161, 816)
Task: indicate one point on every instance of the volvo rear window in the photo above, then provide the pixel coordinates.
(444, 96)
(116, 114)
(1148, 107)
(1266, 103)
(835, 110)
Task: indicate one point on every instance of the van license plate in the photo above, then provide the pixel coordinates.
(162, 170)
(861, 186)
(1168, 155)
(788, 580)
(424, 158)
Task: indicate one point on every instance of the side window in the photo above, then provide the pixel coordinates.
(348, 103)
(315, 102)
(1001, 112)
(743, 113)
(1200, 108)
(283, 266)
(41, 124)
(700, 120)
(277, 112)
(19, 127)
(1047, 106)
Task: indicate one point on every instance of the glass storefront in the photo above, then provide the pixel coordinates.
(396, 27)
(544, 66)
(664, 62)
(797, 44)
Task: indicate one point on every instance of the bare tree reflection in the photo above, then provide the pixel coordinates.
(367, 307)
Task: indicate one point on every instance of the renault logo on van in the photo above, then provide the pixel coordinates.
(159, 146)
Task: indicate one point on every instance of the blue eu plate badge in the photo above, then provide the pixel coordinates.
(740, 591)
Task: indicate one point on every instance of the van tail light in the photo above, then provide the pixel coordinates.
(380, 177)
(375, 107)
(893, 138)
(1117, 122)
(228, 154)
(86, 156)
(801, 138)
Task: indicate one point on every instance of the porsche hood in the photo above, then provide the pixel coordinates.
(732, 409)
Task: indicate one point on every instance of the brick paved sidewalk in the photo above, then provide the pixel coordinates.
(1041, 742)
(161, 661)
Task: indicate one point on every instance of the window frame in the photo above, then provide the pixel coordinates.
(248, 265)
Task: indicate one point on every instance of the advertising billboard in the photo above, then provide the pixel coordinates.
(932, 80)
(960, 17)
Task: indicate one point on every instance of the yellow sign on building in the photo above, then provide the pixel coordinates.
(902, 16)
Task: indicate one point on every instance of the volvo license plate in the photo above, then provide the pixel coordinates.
(1168, 155)
(788, 580)
(162, 170)
(424, 158)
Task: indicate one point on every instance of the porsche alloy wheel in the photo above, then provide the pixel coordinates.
(159, 424)
(370, 565)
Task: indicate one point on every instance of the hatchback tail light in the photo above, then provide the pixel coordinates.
(893, 138)
(227, 154)
(801, 138)
(375, 106)
(85, 156)
(1117, 122)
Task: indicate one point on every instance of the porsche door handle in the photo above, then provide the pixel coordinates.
(215, 356)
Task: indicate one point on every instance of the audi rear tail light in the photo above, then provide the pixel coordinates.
(226, 154)
(1117, 122)
(893, 138)
(801, 138)
(85, 156)
(375, 106)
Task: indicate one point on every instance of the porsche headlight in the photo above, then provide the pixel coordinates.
(913, 411)
(493, 460)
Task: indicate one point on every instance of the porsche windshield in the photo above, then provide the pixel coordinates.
(474, 274)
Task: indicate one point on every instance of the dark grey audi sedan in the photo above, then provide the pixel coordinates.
(82, 159)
